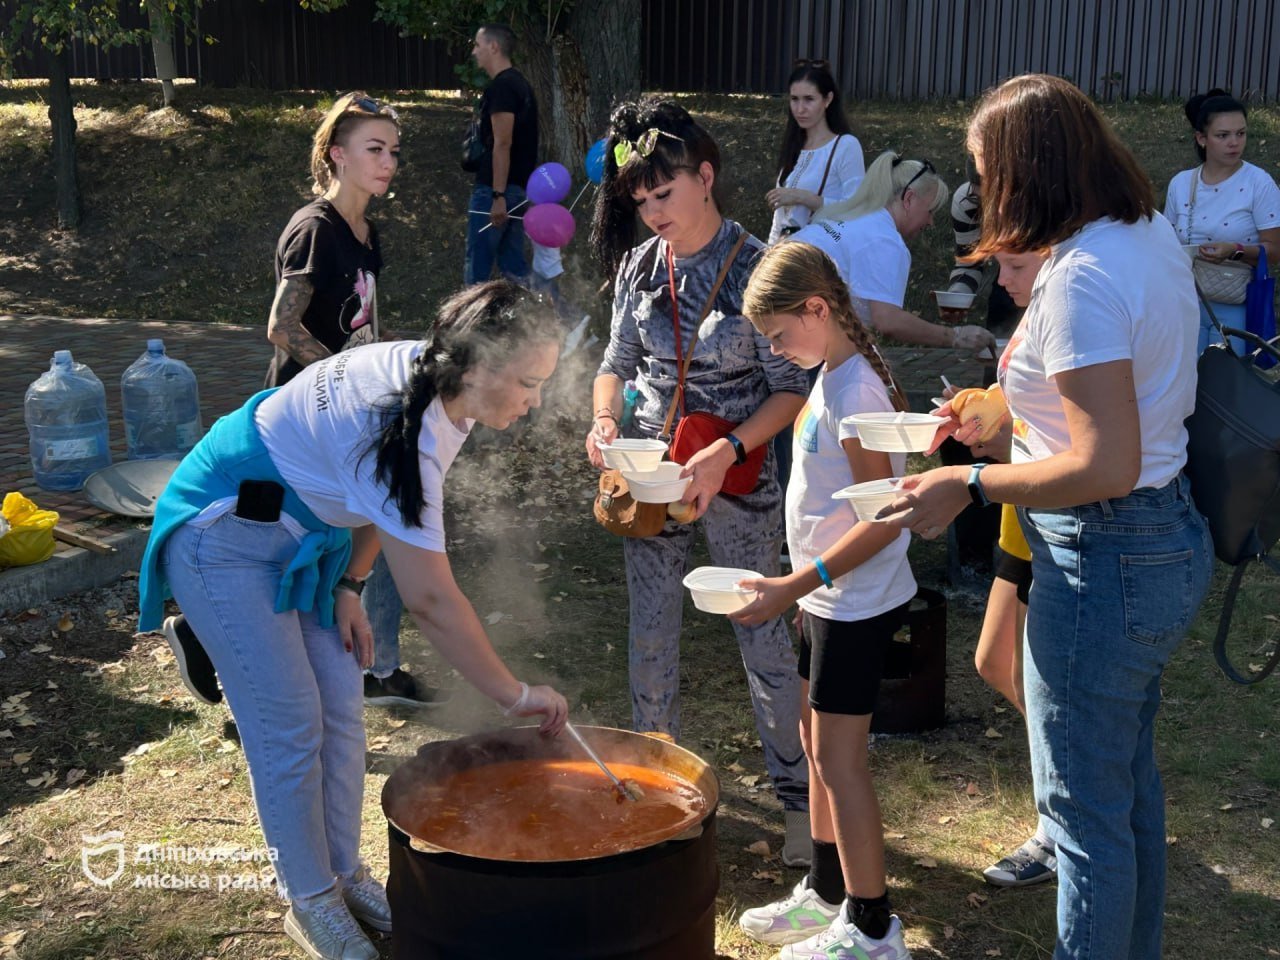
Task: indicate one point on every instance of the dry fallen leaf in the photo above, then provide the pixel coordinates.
(13, 938)
(397, 723)
(773, 876)
(1266, 823)
(168, 774)
(760, 848)
(971, 790)
(927, 862)
(18, 889)
(65, 623)
(1226, 806)
(993, 734)
(975, 899)
(947, 819)
(46, 779)
(948, 932)
(750, 780)
(735, 767)
(41, 648)
(494, 617)
(994, 952)
(20, 758)
(75, 775)
(5, 837)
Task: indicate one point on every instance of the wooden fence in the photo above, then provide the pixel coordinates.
(908, 49)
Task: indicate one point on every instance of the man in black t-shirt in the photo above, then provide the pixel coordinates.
(509, 131)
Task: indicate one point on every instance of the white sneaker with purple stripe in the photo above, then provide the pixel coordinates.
(791, 919)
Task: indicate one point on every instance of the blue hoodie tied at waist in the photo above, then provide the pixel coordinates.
(230, 452)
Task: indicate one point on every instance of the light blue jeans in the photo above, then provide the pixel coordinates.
(501, 245)
(1117, 585)
(382, 605)
(1229, 315)
(295, 693)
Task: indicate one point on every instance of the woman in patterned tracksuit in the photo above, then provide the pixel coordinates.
(662, 166)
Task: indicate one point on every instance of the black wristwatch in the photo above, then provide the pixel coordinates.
(349, 583)
(976, 493)
(739, 451)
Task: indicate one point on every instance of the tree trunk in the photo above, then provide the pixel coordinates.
(162, 48)
(592, 61)
(63, 121)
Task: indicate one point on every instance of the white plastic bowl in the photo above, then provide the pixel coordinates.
(868, 499)
(1192, 250)
(716, 590)
(635, 455)
(662, 484)
(901, 432)
(954, 299)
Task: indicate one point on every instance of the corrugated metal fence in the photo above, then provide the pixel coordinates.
(909, 49)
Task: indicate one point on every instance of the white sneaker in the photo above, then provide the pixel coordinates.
(843, 941)
(325, 930)
(367, 900)
(791, 919)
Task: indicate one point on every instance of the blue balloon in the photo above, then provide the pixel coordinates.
(595, 160)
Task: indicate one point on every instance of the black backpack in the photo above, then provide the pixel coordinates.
(1233, 463)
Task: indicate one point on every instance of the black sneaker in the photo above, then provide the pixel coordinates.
(1032, 862)
(194, 665)
(401, 689)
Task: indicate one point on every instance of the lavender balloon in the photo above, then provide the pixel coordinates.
(549, 224)
(548, 184)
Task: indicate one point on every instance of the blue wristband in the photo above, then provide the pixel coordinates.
(822, 572)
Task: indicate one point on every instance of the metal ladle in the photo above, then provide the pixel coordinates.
(623, 790)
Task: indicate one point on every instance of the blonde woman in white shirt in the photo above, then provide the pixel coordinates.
(820, 160)
(1227, 206)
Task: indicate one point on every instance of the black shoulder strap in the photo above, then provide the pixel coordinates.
(1224, 627)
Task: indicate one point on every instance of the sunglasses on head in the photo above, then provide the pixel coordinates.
(925, 167)
(370, 105)
(816, 64)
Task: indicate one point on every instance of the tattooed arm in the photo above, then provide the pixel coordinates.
(285, 329)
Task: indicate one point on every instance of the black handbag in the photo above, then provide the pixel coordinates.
(1233, 463)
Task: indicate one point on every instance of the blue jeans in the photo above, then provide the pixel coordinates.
(1229, 315)
(294, 691)
(1117, 585)
(501, 245)
(382, 605)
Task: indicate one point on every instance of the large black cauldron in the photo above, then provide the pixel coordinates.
(655, 903)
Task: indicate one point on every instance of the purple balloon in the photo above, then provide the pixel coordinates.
(549, 184)
(549, 224)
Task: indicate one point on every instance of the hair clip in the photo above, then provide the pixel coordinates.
(624, 151)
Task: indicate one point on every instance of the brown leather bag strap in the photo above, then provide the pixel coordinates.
(830, 157)
(706, 309)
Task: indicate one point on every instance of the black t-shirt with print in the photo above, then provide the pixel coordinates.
(318, 244)
(509, 92)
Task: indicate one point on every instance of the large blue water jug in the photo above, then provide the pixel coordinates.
(66, 414)
(161, 406)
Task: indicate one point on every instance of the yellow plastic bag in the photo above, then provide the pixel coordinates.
(30, 536)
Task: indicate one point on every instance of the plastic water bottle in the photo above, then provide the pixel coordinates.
(66, 414)
(630, 396)
(161, 406)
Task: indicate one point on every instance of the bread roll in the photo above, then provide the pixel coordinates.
(985, 405)
(682, 512)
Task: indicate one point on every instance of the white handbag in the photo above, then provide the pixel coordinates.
(1222, 281)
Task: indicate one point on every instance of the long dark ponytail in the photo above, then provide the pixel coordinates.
(1203, 107)
(487, 324)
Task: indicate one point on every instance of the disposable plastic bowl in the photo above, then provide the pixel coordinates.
(896, 432)
(954, 300)
(662, 484)
(1192, 250)
(868, 499)
(716, 590)
(637, 455)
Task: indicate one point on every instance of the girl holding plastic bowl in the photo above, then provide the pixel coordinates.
(662, 169)
(853, 584)
(1098, 386)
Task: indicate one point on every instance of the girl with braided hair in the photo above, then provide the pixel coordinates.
(265, 535)
(853, 584)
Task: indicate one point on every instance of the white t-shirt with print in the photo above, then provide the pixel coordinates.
(1232, 211)
(1112, 291)
(318, 427)
(819, 468)
(847, 170)
(869, 252)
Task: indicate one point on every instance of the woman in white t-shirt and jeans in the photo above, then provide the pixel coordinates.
(1098, 380)
(1226, 205)
(820, 160)
(265, 535)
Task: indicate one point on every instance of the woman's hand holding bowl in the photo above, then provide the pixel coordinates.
(604, 430)
(1217, 252)
(773, 599)
(929, 501)
(707, 467)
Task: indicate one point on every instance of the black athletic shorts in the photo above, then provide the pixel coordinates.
(843, 660)
(1016, 571)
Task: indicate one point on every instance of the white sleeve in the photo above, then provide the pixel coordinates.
(1175, 204)
(1085, 320)
(847, 170)
(1266, 202)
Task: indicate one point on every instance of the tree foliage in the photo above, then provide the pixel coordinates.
(53, 24)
